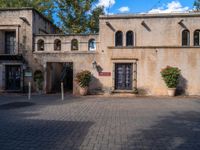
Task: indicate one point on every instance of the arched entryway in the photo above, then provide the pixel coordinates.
(56, 73)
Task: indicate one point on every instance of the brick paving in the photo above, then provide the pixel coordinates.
(99, 123)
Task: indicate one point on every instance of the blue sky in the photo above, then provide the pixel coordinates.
(146, 6)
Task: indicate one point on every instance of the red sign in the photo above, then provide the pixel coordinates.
(105, 74)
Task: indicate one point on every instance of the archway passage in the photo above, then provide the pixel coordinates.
(58, 72)
(68, 77)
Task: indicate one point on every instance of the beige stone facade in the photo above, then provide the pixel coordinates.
(156, 42)
(17, 29)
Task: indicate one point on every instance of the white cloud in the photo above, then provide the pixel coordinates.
(172, 7)
(124, 9)
(106, 3)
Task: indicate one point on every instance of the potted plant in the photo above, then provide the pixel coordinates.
(38, 78)
(171, 77)
(83, 78)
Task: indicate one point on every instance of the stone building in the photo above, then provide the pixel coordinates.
(17, 30)
(127, 54)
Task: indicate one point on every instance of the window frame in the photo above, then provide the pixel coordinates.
(40, 44)
(72, 45)
(196, 31)
(127, 38)
(119, 42)
(95, 46)
(187, 39)
(56, 46)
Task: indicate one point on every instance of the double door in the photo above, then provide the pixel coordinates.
(13, 77)
(123, 76)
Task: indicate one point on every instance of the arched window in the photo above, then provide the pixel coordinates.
(197, 38)
(92, 45)
(74, 45)
(186, 38)
(40, 45)
(129, 38)
(57, 45)
(119, 38)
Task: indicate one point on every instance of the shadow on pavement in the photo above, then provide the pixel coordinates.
(15, 105)
(180, 131)
(18, 131)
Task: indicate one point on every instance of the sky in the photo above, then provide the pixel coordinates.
(146, 6)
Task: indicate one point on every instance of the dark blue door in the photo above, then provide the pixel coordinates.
(123, 76)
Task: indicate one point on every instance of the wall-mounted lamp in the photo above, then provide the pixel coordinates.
(94, 64)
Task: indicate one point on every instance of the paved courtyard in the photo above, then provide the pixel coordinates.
(98, 123)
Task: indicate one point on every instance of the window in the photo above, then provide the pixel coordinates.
(185, 38)
(119, 38)
(74, 44)
(196, 38)
(57, 45)
(10, 42)
(92, 45)
(40, 45)
(129, 38)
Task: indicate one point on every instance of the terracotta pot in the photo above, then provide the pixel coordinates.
(171, 91)
(83, 91)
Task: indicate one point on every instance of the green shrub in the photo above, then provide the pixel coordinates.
(83, 78)
(171, 76)
(38, 78)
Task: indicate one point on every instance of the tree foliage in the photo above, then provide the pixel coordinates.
(197, 5)
(73, 16)
(46, 7)
(79, 16)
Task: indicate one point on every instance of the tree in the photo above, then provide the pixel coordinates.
(46, 7)
(79, 16)
(94, 19)
(197, 5)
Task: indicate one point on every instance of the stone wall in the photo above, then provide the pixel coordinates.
(153, 50)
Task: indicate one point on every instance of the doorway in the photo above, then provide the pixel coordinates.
(68, 77)
(58, 72)
(123, 76)
(13, 77)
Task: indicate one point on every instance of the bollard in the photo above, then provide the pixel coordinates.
(62, 91)
(29, 90)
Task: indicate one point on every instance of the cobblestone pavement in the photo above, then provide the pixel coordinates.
(99, 123)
